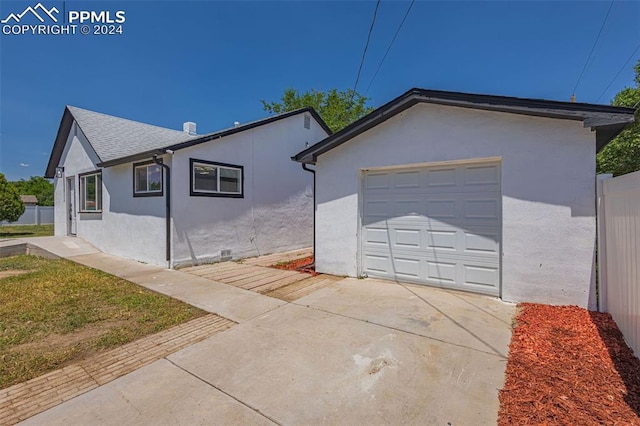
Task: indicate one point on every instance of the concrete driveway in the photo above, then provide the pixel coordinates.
(359, 352)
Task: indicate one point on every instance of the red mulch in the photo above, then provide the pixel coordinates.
(295, 264)
(569, 366)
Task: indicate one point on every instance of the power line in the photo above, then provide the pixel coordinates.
(593, 47)
(390, 44)
(619, 72)
(366, 46)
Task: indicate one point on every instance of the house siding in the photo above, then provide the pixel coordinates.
(548, 175)
(128, 227)
(275, 214)
(276, 210)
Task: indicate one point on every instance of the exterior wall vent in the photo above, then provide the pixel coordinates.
(307, 121)
(225, 255)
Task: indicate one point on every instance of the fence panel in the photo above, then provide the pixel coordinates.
(34, 215)
(619, 248)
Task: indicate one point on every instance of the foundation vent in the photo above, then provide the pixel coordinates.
(225, 255)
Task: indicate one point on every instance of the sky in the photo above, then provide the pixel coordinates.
(212, 62)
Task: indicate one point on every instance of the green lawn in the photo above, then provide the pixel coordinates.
(22, 231)
(56, 312)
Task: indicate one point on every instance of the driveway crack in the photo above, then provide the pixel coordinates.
(257, 411)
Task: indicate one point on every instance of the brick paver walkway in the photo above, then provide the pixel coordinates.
(27, 399)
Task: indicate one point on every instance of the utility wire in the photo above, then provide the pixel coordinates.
(618, 73)
(593, 47)
(390, 44)
(366, 46)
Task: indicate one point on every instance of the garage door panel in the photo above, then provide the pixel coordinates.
(481, 175)
(441, 239)
(378, 263)
(407, 267)
(407, 180)
(482, 241)
(481, 208)
(407, 238)
(441, 272)
(438, 226)
(441, 177)
(376, 236)
(377, 181)
(476, 275)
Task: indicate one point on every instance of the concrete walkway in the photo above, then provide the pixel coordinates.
(358, 352)
(228, 301)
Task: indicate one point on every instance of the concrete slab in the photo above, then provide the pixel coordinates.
(159, 393)
(304, 366)
(225, 300)
(60, 246)
(470, 321)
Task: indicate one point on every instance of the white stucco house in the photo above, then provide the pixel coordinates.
(170, 197)
(488, 194)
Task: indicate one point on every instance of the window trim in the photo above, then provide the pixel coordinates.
(82, 189)
(199, 193)
(156, 193)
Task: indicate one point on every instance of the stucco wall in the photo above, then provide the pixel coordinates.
(276, 213)
(77, 157)
(128, 227)
(548, 175)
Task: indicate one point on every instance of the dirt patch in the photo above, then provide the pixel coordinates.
(301, 265)
(568, 365)
(12, 273)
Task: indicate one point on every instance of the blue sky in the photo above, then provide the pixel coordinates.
(212, 62)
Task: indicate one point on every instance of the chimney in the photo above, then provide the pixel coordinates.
(189, 127)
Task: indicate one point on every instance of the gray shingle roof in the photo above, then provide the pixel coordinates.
(113, 137)
(118, 140)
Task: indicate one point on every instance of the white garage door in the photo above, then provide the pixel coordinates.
(434, 225)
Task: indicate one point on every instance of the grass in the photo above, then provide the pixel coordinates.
(57, 312)
(22, 231)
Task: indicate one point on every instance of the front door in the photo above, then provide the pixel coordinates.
(71, 206)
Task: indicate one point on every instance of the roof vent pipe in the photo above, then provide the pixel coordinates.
(236, 124)
(189, 127)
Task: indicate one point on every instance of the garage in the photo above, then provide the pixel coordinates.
(436, 225)
(482, 193)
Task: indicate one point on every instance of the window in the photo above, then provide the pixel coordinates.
(91, 192)
(216, 179)
(147, 179)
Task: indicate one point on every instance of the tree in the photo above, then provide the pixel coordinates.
(622, 154)
(11, 207)
(337, 108)
(38, 186)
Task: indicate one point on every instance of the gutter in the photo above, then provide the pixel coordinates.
(167, 206)
(304, 167)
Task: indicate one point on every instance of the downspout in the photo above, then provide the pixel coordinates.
(167, 206)
(304, 167)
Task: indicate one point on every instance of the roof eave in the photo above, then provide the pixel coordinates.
(58, 146)
(606, 120)
(217, 135)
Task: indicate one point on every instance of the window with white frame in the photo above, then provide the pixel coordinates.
(213, 179)
(91, 192)
(147, 179)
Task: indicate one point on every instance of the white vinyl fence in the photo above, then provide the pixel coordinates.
(619, 252)
(34, 215)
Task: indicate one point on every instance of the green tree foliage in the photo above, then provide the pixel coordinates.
(337, 108)
(11, 207)
(622, 154)
(38, 186)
